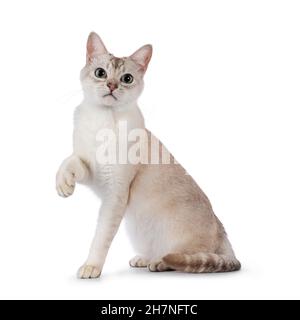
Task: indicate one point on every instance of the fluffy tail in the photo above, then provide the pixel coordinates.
(201, 262)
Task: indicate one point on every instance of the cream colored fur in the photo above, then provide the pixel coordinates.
(169, 219)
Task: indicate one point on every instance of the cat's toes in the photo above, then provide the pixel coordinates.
(65, 184)
(158, 266)
(88, 272)
(64, 190)
(138, 262)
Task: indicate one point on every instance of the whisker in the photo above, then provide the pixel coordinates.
(69, 95)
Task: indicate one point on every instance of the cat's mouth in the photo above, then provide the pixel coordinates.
(110, 95)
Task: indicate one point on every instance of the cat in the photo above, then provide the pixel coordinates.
(170, 220)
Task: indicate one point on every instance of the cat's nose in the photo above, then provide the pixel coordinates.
(112, 85)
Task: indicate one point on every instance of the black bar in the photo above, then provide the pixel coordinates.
(141, 309)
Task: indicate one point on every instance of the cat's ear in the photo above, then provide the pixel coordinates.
(143, 56)
(94, 47)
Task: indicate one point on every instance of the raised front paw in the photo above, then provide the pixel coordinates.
(65, 183)
(71, 170)
(88, 272)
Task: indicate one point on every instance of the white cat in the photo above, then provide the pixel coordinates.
(169, 218)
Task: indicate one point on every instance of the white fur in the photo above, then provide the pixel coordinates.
(110, 182)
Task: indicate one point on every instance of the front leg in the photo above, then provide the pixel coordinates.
(72, 170)
(110, 216)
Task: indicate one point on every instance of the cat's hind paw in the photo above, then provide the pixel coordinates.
(138, 262)
(88, 272)
(158, 266)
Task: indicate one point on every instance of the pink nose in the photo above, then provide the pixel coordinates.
(112, 85)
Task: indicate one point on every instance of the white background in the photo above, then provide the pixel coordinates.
(222, 92)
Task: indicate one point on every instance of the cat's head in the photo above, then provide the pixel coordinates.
(111, 81)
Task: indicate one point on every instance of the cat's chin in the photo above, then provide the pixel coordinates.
(109, 101)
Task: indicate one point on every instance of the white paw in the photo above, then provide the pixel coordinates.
(65, 183)
(138, 262)
(88, 272)
(157, 266)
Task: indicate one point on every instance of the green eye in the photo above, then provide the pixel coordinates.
(100, 73)
(127, 78)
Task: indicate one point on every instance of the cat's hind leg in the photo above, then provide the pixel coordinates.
(158, 266)
(139, 262)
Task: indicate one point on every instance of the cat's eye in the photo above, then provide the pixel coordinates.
(100, 73)
(127, 78)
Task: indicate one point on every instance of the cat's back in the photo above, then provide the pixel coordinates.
(166, 208)
(167, 184)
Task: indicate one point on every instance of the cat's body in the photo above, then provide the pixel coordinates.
(169, 218)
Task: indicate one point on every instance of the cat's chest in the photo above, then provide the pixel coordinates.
(90, 130)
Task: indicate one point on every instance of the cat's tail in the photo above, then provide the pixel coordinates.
(201, 262)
